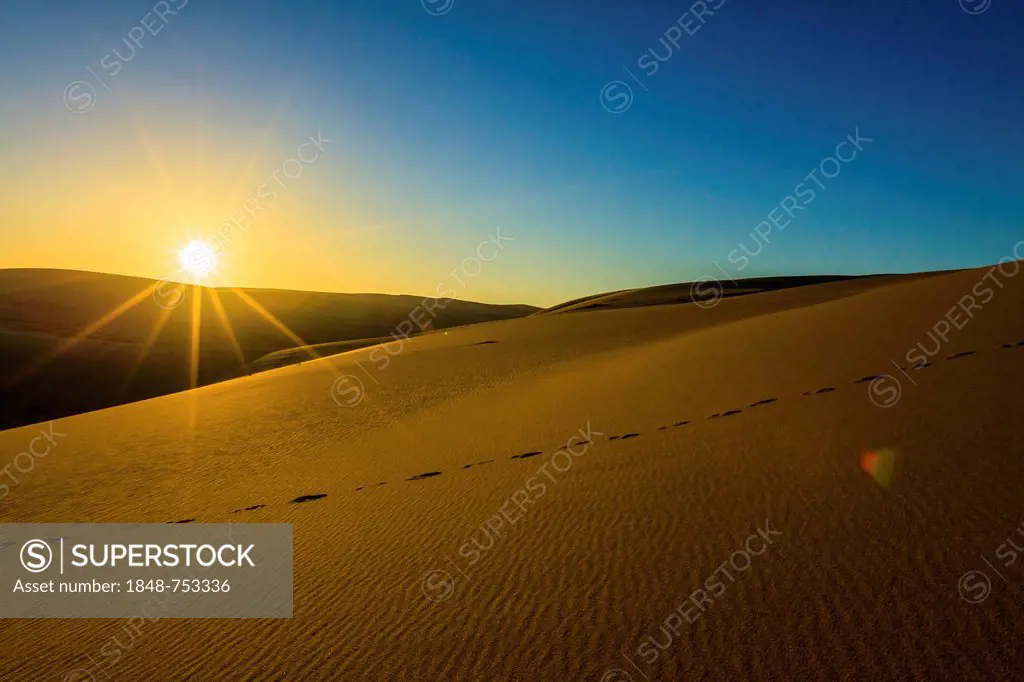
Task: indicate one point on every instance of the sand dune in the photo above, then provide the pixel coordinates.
(708, 291)
(667, 294)
(686, 292)
(145, 351)
(440, 534)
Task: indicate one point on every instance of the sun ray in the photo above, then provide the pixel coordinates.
(280, 326)
(226, 324)
(150, 151)
(147, 347)
(192, 418)
(91, 329)
(452, 212)
(243, 180)
(197, 324)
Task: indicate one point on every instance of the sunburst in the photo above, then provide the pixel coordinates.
(199, 261)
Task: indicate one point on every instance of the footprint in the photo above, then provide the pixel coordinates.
(183, 521)
(308, 498)
(527, 455)
(766, 401)
(252, 508)
(353, 490)
(420, 477)
(613, 437)
(628, 435)
(382, 483)
(682, 423)
(484, 343)
(662, 428)
(714, 416)
(962, 354)
(871, 377)
(921, 365)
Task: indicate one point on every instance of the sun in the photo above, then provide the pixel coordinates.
(197, 260)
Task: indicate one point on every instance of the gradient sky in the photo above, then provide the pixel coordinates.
(449, 126)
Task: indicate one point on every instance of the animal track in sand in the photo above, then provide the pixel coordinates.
(308, 498)
(183, 521)
(420, 477)
(527, 455)
(252, 508)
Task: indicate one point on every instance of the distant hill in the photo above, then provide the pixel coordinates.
(145, 351)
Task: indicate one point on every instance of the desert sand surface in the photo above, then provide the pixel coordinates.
(739, 432)
(50, 339)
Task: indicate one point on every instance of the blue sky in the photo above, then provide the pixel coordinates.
(491, 114)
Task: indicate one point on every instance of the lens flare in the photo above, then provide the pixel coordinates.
(879, 465)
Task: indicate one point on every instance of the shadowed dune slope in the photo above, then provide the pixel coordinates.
(441, 536)
(146, 351)
(708, 291)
